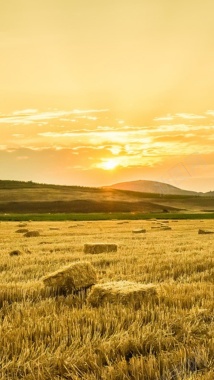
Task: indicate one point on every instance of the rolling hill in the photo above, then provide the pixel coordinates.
(30, 197)
(153, 187)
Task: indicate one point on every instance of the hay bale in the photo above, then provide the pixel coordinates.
(22, 225)
(54, 228)
(205, 232)
(165, 228)
(72, 278)
(16, 252)
(139, 231)
(96, 248)
(32, 234)
(22, 231)
(123, 292)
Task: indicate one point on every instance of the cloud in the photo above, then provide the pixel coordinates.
(190, 116)
(28, 111)
(183, 115)
(30, 116)
(210, 113)
(96, 141)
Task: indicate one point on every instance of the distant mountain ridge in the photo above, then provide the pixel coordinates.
(153, 187)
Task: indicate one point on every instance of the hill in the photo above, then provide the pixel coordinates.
(30, 197)
(153, 187)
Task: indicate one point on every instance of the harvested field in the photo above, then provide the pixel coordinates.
(168, 336)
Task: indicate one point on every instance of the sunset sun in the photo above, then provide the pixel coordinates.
(109, 164)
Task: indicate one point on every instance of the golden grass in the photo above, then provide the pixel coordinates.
(53, 338)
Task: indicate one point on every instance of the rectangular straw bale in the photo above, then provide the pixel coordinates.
(205, 232)
(95, 248)
(72, 278)
(124, 292)
(139, 231)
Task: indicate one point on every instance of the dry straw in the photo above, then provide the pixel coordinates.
(99, 248)
(124, 292)
(22, 230)
(18, 292)
(72, 278)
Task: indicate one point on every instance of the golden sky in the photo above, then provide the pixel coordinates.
(97, 92)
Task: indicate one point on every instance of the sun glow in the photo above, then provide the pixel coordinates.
(109, 164)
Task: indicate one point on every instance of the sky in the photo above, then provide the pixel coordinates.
(98, 92)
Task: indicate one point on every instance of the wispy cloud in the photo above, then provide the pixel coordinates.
(30, 116)
(190, 116)
(182, 115)
(94, 139)
(210, 113)
(25, 112)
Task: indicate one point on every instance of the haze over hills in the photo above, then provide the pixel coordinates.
(136, 196)
(152, 187)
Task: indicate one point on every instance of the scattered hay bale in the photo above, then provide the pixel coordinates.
(124, 222)
(96, 248)
(165, 228)
(32, 234)
(72, 278)
(22, 231)
(204, 232)
(139, 231)
(124, 292)
(22, 225)
(164, 221)
(16, 252)
(54, 228)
